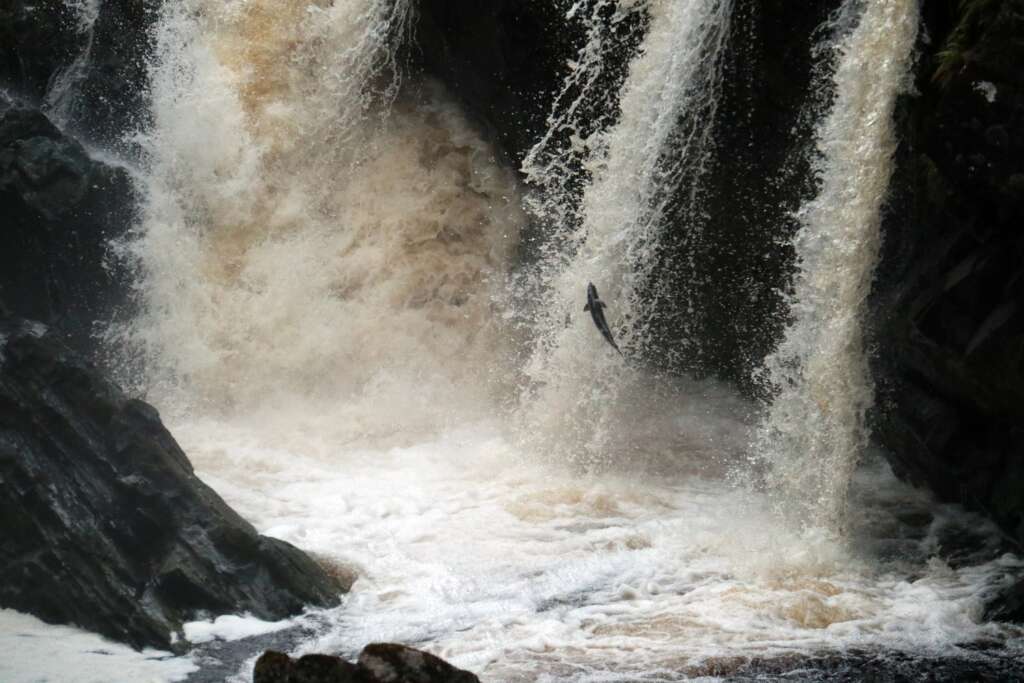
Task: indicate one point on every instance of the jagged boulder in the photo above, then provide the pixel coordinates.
(60, 210)
(104, 524)
(378, 663)
(949, 297)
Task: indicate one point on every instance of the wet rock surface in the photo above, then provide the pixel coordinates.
(85, 61)
(893, 667)
(378, 663)
(60, 210)
(37, 40)
(70, 73)
(727, 254)
(504, 59)
(104, 523)
(949, 296)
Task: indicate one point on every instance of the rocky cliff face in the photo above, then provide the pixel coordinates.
(949, 299)
(106, 526)
(505, 60)
(60, 209)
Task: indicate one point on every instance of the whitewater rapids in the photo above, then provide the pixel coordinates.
(522, 570)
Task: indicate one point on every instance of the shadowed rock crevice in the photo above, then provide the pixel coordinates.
(949, 298)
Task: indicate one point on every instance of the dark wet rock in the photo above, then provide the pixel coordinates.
(103, 523)
(37, 40)
(378, 663)
(992, 666)
(391, 663)
(60, 209)
(949, 296)
(93, 73)
(1008, 604)
(273, 666)
(113, 98)
(276, 667)
(504, 59)
(726, 258)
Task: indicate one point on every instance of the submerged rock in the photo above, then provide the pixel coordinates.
(378, 663)
(1008, 605)
(104, 524)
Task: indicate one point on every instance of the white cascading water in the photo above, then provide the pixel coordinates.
(296, 246)
(326, 325)
(611, 235)
(814, 431)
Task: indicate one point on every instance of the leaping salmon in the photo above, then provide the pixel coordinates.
(596, 308)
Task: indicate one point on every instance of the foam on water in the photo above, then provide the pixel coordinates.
(520, 570)
(34, 652)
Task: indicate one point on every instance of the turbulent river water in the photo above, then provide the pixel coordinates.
(336, 326)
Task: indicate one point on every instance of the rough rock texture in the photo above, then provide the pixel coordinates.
(60, 208)
(89, 69)
(378, 663)
(949, 298)
(69, 72)
(103, 523)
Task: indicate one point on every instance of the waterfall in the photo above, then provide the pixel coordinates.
(814, 429)
(312, 231)
(330, 294)
(632, 168)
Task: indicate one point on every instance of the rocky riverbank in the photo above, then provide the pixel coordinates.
(105, 524)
